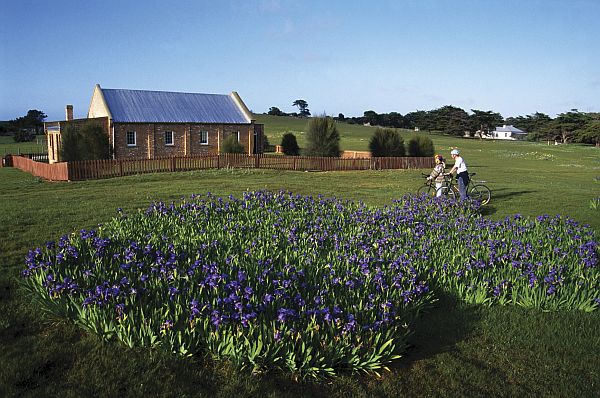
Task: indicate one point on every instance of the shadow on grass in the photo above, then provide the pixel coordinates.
(498, 195)
(438, 330)
(506, 193)
(487, 210)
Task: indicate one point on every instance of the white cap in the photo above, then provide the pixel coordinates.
(454, 152)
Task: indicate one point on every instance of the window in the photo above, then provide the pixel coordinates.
(169, 138)
(204, 138)
(236, 134)
(131, 138)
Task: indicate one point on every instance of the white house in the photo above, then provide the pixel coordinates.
(507, 132)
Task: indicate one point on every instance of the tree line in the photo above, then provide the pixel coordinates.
(25, 128)
(571, 126)
(302, 105)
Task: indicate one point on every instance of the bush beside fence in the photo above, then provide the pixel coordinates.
(97, 169)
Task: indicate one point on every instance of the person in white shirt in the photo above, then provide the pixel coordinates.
(462, 175)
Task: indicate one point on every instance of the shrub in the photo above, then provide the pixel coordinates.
(88, 143)
(289, 145)
(231, 145)
(323, 137)
(386, 142)
(267, 147)
(95, 144)
(24, 136)
(420, 145)
(69, 144)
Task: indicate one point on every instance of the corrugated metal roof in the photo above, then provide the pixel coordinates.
(171, 107)
(509, 128)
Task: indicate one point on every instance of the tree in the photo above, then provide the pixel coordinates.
(565, 125)
(323, 137)
(231, 145)
(590, 134)
(35, 116)
(302, 106)
(419, 119)
(289, 145)
(535, 125)
(275, 111)
(90, 142)
(392, 119)
(371, 117)
(33, 121)
(484, 121)
(341, 117)
(450, 120)
(420, 145)
(386, 142)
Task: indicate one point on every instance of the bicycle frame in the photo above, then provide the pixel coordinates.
(474, 189)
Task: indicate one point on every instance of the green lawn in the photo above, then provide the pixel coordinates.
(525, 177)
(353, 137)
(457, 350)
(8, 145)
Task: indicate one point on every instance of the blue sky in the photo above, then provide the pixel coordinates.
(512, 57)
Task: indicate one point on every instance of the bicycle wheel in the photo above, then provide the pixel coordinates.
(446, 191)
(481, 193)
(426, 189)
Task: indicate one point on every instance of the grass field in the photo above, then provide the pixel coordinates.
(8, 145)
(457, 349)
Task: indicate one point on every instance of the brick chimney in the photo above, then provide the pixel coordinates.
(69, 111)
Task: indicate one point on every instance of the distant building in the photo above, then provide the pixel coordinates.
(507, 132)
(144, 124)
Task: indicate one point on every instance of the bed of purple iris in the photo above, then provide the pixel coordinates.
(311, 285)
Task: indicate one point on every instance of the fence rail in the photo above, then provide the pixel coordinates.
(97, 169)
(54, 172)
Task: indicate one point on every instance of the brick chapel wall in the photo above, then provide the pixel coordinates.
(144, 133)
(243, 129)
(150, 139)
(212, 147)
(77, 124)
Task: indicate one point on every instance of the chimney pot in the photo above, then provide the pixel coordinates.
(69, 111)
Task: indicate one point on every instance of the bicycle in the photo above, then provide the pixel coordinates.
(428, 188)
(476, 189)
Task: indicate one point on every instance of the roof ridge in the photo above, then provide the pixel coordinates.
(159, 91)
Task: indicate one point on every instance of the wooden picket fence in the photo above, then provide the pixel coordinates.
(53, 172)
(97, 169)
